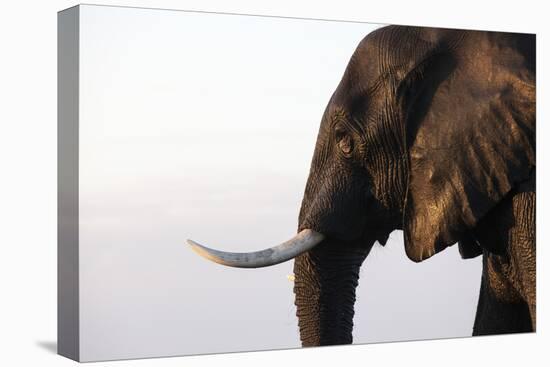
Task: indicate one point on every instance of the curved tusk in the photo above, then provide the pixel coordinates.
(302, 242)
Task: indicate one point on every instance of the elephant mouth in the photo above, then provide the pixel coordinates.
(304, 241)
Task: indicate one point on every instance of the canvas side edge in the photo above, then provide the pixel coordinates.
(68, 325)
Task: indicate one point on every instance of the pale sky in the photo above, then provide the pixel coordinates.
(203, 126)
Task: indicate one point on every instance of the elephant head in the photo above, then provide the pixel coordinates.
(428, 130)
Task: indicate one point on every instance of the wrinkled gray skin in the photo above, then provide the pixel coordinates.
(430, 131)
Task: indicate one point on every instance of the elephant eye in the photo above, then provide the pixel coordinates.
(344, 141)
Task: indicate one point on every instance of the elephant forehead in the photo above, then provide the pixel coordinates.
(383, 58)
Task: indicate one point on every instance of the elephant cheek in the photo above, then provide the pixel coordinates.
(325, 283)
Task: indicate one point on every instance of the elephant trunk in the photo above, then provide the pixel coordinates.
(325, 282)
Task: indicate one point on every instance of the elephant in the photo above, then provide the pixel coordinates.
(430, 131)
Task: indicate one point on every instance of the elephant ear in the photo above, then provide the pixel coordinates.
(469, 247)
(470, 121)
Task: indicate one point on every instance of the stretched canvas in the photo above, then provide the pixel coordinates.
(317, 165)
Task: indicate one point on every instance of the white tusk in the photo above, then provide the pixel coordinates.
(302, 242)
